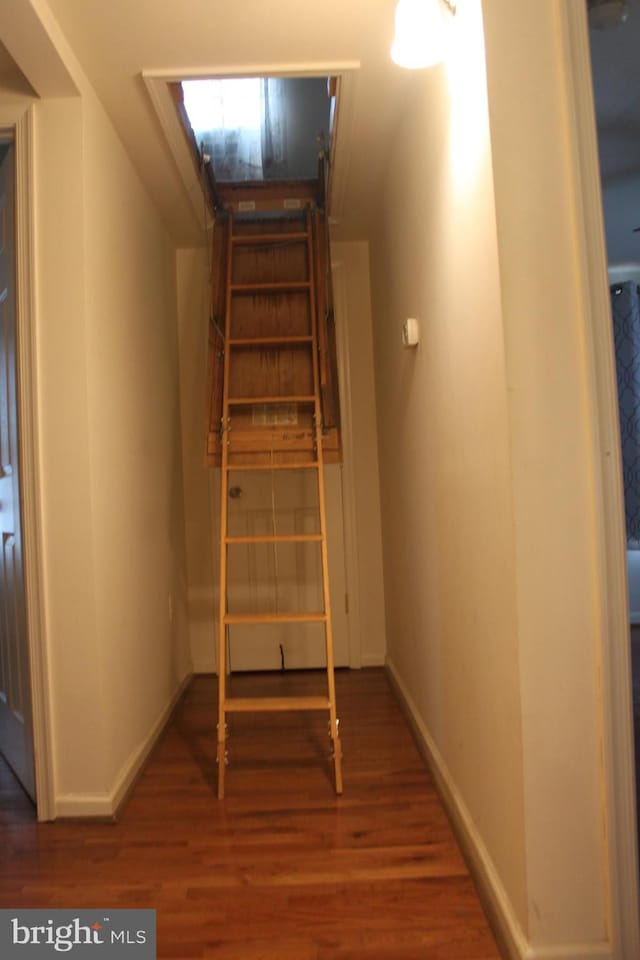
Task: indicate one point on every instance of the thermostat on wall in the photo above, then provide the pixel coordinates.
(410, 332)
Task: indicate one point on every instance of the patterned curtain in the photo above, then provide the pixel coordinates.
(625, 307)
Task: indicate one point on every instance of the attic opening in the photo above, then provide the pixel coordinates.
(259, 131)
(262, 147)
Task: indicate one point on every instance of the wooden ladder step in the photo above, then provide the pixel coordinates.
(296, 465)
(282, 286)
(256, 618)
(274, 704)
(270, 341)
(277, 538)
(256, 239)
(266, 401)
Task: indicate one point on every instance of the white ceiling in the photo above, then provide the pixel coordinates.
(13, 83)
(115, 41)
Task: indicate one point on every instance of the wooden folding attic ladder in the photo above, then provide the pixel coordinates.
(272, 364)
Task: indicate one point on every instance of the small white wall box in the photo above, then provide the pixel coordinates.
(410, 332)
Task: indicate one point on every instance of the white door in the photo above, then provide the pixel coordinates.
(16, 734)
(280, 578)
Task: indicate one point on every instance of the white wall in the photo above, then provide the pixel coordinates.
(485, 464)
(201, 484)
(134, 440)
(76, 691)
(554, 474)
(444, 453)
(110, 461)
(361, 486)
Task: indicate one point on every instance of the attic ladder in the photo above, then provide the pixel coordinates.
(313, 461)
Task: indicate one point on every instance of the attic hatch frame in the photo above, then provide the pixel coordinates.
(159, 85)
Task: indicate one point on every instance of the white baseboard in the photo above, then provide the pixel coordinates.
(106, 805)
(571, 951)
(372, 660)
(205, 666)
(80, 805)
(495, 899)
(209, 666)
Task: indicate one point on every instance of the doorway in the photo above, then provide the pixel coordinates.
(614, 35)
(16, 715)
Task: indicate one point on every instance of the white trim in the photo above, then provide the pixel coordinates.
(571, 951)
(619, 272)
(348, 480)
(168, 115)
(314, 68)
(157, 81)
(107, 804)
(619, 798)
(500, 909)
(341, 159)
(72, 806)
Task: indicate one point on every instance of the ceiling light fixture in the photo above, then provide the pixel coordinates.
(420, 39)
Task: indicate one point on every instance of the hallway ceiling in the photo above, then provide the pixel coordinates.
(116, 41)
(615, 60)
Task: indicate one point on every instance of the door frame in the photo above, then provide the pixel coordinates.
(345, 390)
(158, 83)
(18, 119)
(618, 778)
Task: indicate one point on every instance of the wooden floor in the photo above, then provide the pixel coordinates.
(282, 869)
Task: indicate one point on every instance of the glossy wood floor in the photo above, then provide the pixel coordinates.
(282, 869)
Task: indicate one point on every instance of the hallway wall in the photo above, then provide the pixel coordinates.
(485, 465)
(201, 485)
(110, 457)
(449, 556)
(555, 476)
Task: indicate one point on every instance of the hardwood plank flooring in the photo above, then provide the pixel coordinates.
(282, 869)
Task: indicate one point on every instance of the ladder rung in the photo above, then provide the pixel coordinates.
(269, 341)
(251, 704)
(280, 287)
(298, 465)
(277, 538)
(249, 239)
(246, 618)
(262, 401)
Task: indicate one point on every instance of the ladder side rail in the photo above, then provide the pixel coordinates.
(320, 301)
(326, 324)
(215, 365)
(333, 719)
(224, 478)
